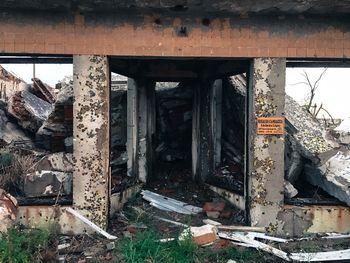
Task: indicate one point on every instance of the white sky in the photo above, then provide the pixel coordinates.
(333, 91)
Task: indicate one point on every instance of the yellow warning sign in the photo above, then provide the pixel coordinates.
(270, 126)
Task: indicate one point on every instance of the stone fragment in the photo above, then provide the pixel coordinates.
(333, 176)
(213, 214)
(47, 183)
(202, 235)
(289, 190)
(8, 209)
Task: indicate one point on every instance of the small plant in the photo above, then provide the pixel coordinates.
(22, 245)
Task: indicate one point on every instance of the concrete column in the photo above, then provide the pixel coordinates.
(265, 153)
(202, 132)
(141, 128)
(91, 84)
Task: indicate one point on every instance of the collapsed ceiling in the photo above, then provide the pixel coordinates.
(238, 7)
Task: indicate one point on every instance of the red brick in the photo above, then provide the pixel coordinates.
(214, 206)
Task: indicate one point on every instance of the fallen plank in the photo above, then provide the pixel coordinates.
(254, 235)
(242, 228)
(242, 239)
(171, 221)
(211, 222)
(90, 224)
(254, 243)
(321, 256)
(169, 204)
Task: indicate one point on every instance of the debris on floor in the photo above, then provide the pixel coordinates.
(89, 223)
(202, 235)
(169, 204)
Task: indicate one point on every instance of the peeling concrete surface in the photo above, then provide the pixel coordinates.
(91, 137)
(266, 163)
(315, 219)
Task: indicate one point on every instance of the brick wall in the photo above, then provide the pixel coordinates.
(163, 36)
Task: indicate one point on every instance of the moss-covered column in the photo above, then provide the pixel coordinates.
(265, 153)
(91, 84)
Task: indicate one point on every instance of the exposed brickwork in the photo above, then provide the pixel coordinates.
(224, 37)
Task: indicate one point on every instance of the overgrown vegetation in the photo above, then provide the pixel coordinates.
(23, 245)
(146, 247)
(13, 166)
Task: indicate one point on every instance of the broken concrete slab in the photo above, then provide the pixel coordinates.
(333, 176)
(11, 133)
(29, 110)
(62, 162)
(310, 133)
(58, 127)
(47, 183)
(43, 91)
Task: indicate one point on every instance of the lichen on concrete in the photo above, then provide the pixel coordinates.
(91, 137)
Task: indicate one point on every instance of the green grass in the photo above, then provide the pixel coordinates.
(22, 245)
(145, 247)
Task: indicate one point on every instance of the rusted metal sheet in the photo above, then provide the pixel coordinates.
(91, 145)
(299, 220)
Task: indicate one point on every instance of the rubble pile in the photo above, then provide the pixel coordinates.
(312, 152)
(28, 113)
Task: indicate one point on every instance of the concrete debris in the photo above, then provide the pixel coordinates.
(55, 132)
(43, 91)
(333, 176)
(47, 183)
(62, 162)
(8, 210)
(10, 132)
(169, 204)
(342, 132)
(89, 223)
(289, 190)
(310, 133)
(202, 235)
(29, 110)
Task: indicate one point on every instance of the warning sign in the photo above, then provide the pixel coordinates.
(270, 126)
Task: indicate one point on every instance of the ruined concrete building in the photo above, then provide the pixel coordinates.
(203, 49)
